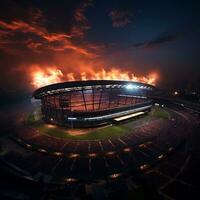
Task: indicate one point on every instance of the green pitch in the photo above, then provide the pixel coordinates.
(97, 133)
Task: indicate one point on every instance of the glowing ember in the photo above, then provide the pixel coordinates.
(28, 146)
(115, 175)
(142, 146)
(58, 153)
(127, 150)
(110, 153)
(144, 167)
(52, 75)
(74, 155)
(160, 157)
(42, 150)
(92, 155)
(170, 149)
(69, 180)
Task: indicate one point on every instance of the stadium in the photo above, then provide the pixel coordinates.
(143, 145)
(93, 103)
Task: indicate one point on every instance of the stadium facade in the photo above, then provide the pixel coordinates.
(94, 102)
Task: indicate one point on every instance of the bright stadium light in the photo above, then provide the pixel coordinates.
(130, 86)
(72, 118)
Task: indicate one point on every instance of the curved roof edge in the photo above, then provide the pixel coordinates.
(71, 84)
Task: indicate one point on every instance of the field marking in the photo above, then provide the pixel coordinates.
(122, 141)
(120, 160)
(172, 179)
(101, 145)
(73, 163)
(106, 162)
(56, 165)
(179, 113)
(111, 143)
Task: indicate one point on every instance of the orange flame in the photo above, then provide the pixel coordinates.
(47, 77)
(54, 75)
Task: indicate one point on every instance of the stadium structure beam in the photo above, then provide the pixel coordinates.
(84, 99)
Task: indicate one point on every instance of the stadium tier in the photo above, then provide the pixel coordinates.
(93, 103)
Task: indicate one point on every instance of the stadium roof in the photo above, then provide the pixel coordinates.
(67, 86)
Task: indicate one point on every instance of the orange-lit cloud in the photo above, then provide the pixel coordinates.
(50, 40)
(45, 53)
(18, 25)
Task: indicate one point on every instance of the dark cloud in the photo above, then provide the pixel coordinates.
(157, 41)
(120, 18)
(167, 37)
(122, 13)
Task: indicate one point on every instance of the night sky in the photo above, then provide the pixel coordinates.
(81, 38)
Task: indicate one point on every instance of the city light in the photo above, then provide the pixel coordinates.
(176, 93)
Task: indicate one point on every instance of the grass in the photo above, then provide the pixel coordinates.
(158, 112)
(2, 151)
(30, 119)
(108, 132)
(103, 133)
(96, 134)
